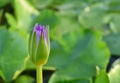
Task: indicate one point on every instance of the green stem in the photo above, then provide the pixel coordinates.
(39, 74)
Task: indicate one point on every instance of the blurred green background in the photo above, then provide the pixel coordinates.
(84, 34)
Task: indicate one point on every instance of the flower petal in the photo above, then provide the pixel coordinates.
(47, 37)
(38, 33)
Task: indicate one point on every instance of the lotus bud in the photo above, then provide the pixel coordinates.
(39, 45)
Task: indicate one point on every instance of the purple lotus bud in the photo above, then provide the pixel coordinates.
(39, 45)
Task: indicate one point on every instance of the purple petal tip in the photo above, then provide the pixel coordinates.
(40, 31)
